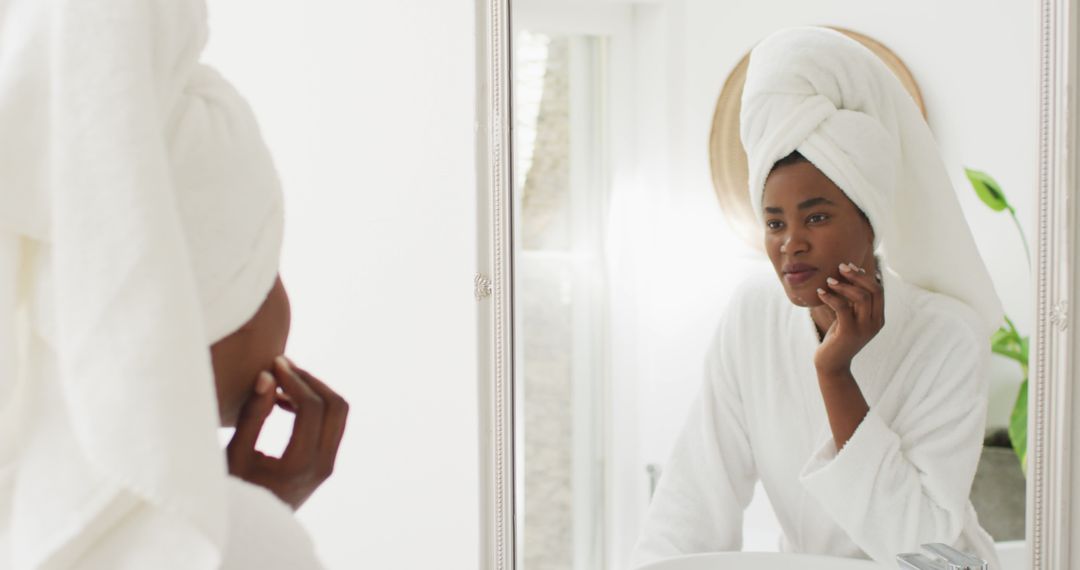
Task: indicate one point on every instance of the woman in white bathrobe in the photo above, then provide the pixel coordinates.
(141, 223)
(856, 397)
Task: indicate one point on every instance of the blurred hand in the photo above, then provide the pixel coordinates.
(858, 301)
(308, 459)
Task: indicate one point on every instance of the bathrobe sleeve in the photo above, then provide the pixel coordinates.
(262, 533)
(904, 478)
(709, 479)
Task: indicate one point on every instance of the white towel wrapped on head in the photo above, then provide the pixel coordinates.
(229, 199)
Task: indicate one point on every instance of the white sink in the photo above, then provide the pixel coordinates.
(1013, 556)
(762, 561)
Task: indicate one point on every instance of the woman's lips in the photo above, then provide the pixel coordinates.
(799, 277)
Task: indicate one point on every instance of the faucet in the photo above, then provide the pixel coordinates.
(945, 558)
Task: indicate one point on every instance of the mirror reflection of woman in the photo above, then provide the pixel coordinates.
(850, 381)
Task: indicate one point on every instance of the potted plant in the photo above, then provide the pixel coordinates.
(998, 490)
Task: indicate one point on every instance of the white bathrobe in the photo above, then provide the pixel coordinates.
(141, 221)
(904, 477)
(262, 534)
(42, 509)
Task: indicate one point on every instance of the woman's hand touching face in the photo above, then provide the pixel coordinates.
(858, 301)
(248, 373)
(309, 457)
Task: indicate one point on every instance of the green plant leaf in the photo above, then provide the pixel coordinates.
(1004, 339)
(1009, 322)
(1008, 343)
(988, 190)
(1018, 425)
(1010, 354)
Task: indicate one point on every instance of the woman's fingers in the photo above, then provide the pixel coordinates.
(284, 402)
(868, 282)
(251, 419)
(303, 443)
(309, 457)
(859, 276)
(839, 305)
(862, 301)
(335, 415)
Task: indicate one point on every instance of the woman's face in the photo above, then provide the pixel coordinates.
(811, 227)
(239, 357)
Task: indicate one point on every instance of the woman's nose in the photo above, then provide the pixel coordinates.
(793, 244)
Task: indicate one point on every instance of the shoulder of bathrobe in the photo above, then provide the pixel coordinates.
(740, 327)
(751, 310)
(756, 298)
(932, 350)
(945, 314)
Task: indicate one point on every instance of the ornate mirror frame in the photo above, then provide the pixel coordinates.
(1053, 401)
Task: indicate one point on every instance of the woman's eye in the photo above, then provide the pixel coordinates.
(817, 218)
(774, 224)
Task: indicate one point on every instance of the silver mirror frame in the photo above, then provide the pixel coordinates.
(494, 291)
(1053, 402)
(1050, 478)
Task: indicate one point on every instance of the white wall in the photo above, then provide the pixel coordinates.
(368, 108)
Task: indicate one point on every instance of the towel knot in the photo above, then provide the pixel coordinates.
(852, 147)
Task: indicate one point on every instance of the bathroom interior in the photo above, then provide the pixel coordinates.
(625, 247)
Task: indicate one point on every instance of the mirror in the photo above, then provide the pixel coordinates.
(631, 236)
(326, 91)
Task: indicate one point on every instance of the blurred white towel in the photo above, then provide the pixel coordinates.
(140, 221)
